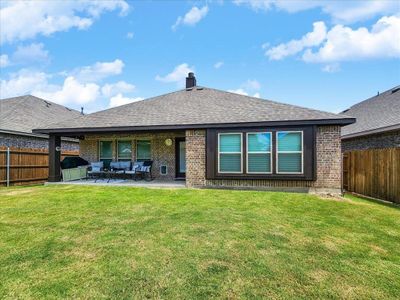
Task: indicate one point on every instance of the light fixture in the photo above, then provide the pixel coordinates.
(168, 142)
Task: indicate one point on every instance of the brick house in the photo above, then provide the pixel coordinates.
(378, 123)
(19, 115)
(214, 139)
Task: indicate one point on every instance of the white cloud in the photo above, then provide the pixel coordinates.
(192, 17)
(178, 75)
(340, 11)
(31, 53)
(115, 88)
(331, 68)
(99, 70)
(4, 61)
(21, 20)
(342, 43)
(251, 84)
(314, 38)
(218, 64)
(241, 91)
(121, 100)
(72, 91)
(22, 83)
(129, 35)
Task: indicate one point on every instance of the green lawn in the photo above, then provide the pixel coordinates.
(116, 242)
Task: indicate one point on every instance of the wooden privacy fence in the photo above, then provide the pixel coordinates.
(27, 166)
(374, 173)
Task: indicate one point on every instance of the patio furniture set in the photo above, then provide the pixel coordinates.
(139, 170)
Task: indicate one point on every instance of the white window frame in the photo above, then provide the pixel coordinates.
(112, 150)
(241, 152)
(258, 152)
(122, 140)
(136, 150)
(278, 152)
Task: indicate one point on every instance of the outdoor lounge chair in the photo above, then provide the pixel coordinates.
(144, 172)
(95, 170)
(136, 165)
(120, 167)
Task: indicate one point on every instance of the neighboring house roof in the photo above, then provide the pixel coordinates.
(19, 115)
(377, 114)
(197, 107)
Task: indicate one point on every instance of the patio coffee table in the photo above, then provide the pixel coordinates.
(101, 175)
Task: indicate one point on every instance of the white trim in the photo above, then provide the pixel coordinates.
(302, 151)
(166, 170)
(241, 152)
(258, 152)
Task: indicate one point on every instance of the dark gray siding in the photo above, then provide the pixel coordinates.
(21, 141)
(375, 141)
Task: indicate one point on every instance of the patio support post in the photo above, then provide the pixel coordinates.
(54, 158)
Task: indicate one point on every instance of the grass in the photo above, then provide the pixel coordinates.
(118, 243)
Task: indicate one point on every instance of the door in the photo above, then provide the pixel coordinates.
(180, 157)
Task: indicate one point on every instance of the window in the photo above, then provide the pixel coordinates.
(273, 153)
(289, 152)
(143, 150)
(259, 148)
(230, 153)
(124, 150)
(105, 152)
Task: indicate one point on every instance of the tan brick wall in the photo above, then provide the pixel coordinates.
(329, 158)
(161, 154)
(195, 158)
(328, 165)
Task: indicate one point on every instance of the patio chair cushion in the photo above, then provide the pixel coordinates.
(96, 166)
(136, 165)
(144, 169)
(120, 165)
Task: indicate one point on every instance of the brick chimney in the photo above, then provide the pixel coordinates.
(190, 80)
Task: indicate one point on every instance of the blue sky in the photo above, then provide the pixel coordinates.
(322, 54)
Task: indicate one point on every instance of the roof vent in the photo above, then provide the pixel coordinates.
(190, 80)
(200, 88)
(395, 90)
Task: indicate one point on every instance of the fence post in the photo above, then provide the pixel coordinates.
(8, 166)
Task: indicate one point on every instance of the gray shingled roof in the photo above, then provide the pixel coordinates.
(198, 106)
(24, 113)
(376, 114)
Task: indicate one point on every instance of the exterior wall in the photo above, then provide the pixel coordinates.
(328, 166)
(373, 141)
(161, 154)
(22, 141)
(195, 158)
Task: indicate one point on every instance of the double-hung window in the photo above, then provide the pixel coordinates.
(143, 150)
(105, 152)
(230, 153)
(259, 149)
(124, 150)
(289, 152)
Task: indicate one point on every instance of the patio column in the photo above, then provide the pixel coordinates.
(54, 158)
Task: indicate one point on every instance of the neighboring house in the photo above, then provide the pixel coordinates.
(19, 115)
(214, 139)
(378, 123)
